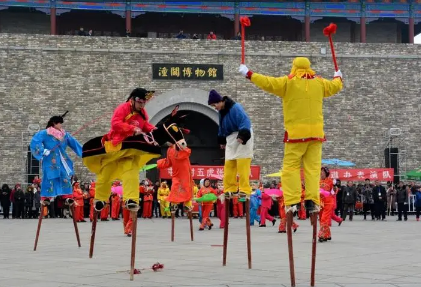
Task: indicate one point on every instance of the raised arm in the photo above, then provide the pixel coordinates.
(276, 86)
(74, 145)
(334, 86)
(37, 145)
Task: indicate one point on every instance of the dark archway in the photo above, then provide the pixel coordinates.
(202, 140)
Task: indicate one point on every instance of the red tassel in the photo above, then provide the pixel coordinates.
(157, 266)
(245, 21)
(329, 30)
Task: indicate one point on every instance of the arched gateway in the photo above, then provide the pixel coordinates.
(202, 122)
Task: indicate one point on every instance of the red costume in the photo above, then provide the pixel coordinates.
(328, 203)
(237, 207)
(220, 206)
(302, 212)
(179, 160)
(105, 212)
(334, 216)
(91, 201)
(115, 206)
(282, 214)
(147, 202)
(266, 205)
(127, 222)
(78, 197)
(206, 207)
(124, 122)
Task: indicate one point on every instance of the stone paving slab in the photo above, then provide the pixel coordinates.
(362, 253)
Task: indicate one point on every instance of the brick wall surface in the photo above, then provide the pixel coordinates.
(42, 76)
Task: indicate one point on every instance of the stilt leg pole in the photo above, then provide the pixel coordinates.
(191, 224)
(133, 214)
(172, 225)
(313, 248)
(72, 207)
(290, 248)
(248, 232)
(227, 210)
(39, 226)
(95, 220)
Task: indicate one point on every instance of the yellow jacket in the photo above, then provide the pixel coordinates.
(302, 102)
(163, 192)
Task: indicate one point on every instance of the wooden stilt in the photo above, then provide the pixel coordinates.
(72, 207)
(95, 220)
(225, 248)
(313, 248)
(191, 224)
(39, 226)
(248, 232)
(172, 225)
(290, 248)
(133, 254)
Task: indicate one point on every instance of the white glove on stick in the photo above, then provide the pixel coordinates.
(46, 152)
(338, 74)
(243, 70)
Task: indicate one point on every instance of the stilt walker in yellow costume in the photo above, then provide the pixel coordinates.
(302, 94)
(120, 154)
(235, 135)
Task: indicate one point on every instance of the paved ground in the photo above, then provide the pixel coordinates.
(362, 253)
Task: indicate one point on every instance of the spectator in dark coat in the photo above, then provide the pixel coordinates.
(5, 200)
(402, 199)
(349, 198)
(19, 201)
(380, 200)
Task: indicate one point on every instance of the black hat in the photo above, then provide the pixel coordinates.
(56, 120)
(140, 94)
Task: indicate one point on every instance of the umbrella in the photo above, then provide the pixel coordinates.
(148, 167)
(273, 191)
(117, 189)
(337, 162)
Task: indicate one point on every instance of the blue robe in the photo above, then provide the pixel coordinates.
(57, 168)
(254, 205)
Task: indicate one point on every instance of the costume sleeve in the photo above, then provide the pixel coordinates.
(221, 137)
(148, 127)
(165, 162)
(243, 122)
(74, 145)
(117, 121)
(276, 86)
(37, 146)
(332, 87)
(265, 196)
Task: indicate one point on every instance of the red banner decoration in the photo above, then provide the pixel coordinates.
(203, 171)
(380, 174)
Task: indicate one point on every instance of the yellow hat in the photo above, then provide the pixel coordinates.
(301, 67)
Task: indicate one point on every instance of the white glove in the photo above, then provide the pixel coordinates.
(338, 74)
(243, 70)
(46, 152)
(222, 198)
(137, 131)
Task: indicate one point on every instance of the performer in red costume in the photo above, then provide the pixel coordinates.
(334, 216)
(237, 206)
(127, 222)
(282, 214)
(115, 201)
(178, 157)
(220, 207)
(266, 205)
(206, 206)
(105, 212)
(147, 201)
(78, 197)
(326, 190)
(91, 201)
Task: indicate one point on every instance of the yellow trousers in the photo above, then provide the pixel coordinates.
(310, 155)
(242, 168)
(165, 205)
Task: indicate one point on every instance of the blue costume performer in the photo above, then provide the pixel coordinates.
(49, 146)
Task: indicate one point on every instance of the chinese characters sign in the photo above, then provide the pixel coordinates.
(187, 72)
(380, 174)
(213, 172)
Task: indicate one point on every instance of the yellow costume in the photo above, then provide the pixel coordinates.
(163, 193)
(302, 95)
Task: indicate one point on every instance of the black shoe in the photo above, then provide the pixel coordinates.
(69, 201)
(295, 230)
(99, 205)
(322, 239)
(201, 229)
(339, 224)
(129, 235)
(210, 226)
(262, 225)
(83, 220)
(273, 222)
(406, 219)
(282, 231)
(329, 238)
(132, 205)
